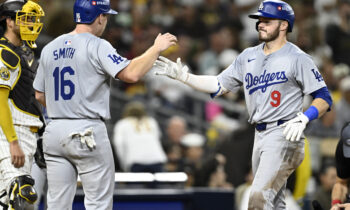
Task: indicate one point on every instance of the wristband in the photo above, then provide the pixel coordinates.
(335, 202)
(311, 113)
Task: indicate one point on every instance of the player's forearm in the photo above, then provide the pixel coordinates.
(339, 191)
(321, 105)
(203, 83)
(40, 97)
(6, 122)
(139, 66)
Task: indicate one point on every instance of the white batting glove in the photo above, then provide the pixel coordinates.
(294, 128)
(171, 69)
(86, 137)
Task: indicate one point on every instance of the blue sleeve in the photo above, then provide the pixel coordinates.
(324, 94)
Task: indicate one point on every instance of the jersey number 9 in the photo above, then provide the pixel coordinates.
(63, 87)
(276, 98)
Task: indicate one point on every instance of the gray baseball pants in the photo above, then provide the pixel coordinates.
(274, 160)
(68, 157)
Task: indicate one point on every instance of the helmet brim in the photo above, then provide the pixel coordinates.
(111, 12)
(262, 14)
(257, 15)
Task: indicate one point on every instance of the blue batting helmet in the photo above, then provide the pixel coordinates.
(86, 11)
(276, 9)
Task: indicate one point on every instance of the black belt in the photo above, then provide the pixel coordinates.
(68, 118)
(262, 126)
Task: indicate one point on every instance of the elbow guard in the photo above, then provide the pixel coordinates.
(324, 94)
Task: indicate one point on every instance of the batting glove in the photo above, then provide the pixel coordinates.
(171, 69)
(294, 128)
(86, 137)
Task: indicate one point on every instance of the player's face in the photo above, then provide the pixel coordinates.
(269, 29)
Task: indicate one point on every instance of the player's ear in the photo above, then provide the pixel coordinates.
(284, 25)
(10, 23)
(99, 19)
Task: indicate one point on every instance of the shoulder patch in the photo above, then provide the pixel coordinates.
(9, 58)
(4, 73)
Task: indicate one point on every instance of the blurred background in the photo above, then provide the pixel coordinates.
(160, 125)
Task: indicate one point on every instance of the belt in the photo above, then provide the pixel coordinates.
(33, 129)
(263, 126)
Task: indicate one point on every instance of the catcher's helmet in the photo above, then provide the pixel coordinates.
(86, 11)
(27, 15)
(275, 9)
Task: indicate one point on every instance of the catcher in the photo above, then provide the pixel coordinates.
(20, 112)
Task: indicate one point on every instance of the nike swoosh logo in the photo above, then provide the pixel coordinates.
(249, 60)
(30, 62)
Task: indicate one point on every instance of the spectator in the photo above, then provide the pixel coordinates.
(338, 36)
(192, 154)
(175, 130)
(212, 173)
(343, 106)
(327, 178)
(342, 157)
(137, 141)
(242, 192)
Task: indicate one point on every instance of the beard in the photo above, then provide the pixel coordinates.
(269, 37)
(17, 32)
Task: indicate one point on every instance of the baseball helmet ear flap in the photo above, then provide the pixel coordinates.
(275, 9)
(86, 11)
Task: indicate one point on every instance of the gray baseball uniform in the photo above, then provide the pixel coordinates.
(274, 86)
(74, 73)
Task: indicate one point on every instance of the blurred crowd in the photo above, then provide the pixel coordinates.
(161, 125)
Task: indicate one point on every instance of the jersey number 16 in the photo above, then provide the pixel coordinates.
(63, 87)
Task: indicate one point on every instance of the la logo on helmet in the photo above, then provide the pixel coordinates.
(261, 7)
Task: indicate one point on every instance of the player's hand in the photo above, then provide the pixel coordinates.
(171, 69)
(294, 128)
(346, 206)
(335, 207)
(17, 155)
(164, 41)
(338, 206)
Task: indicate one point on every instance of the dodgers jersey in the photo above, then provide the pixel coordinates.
(274, 84)
(74, 73)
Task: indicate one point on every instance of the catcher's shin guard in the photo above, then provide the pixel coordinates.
(22, 191)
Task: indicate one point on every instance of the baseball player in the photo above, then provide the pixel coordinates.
(19, 112)
(275, 76)
(73, 81)
(340, 191)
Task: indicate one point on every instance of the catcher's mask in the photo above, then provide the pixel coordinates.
(27, 15)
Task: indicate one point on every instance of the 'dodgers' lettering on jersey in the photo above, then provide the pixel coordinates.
(265, 80)
(64, 53)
